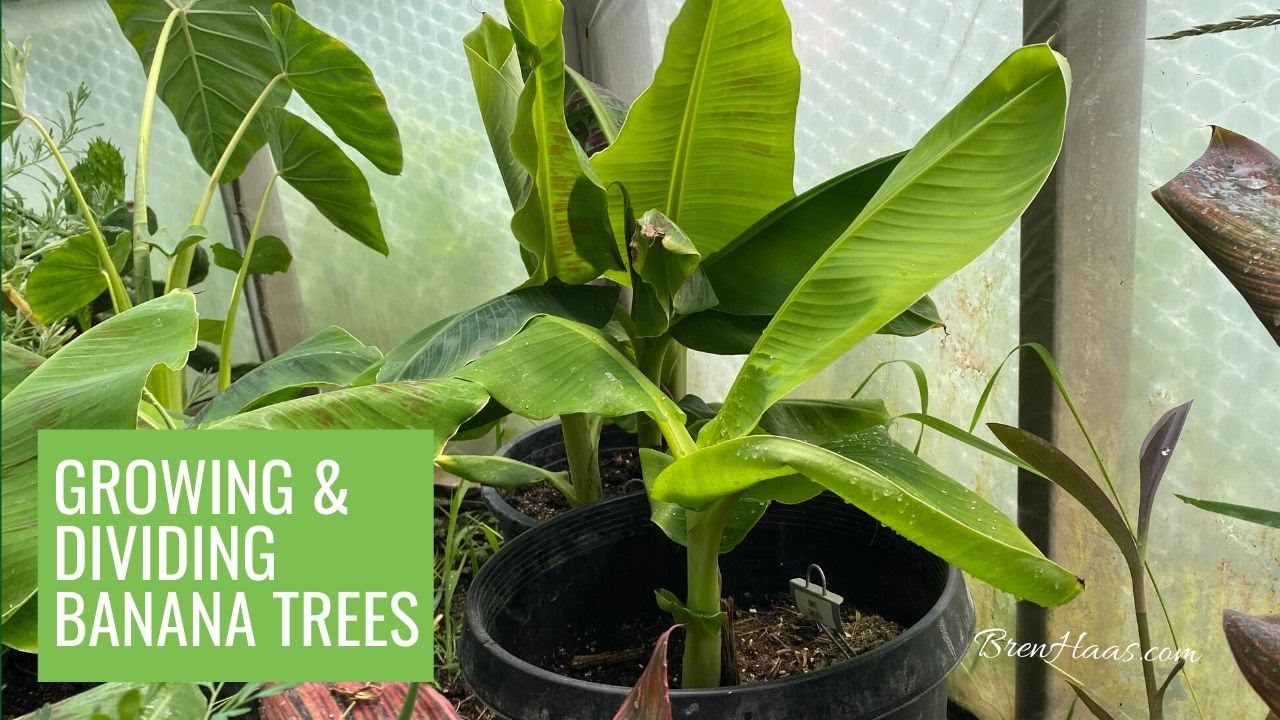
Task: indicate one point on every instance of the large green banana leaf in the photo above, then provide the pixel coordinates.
(445, 346)
(945, 203)
(887, 481)
(95, 382)
(556, 366)
(495, 75)
(218, 61)
(437, 405)
(563, 223)
(711, 142)
(16, 365)
(330, 358)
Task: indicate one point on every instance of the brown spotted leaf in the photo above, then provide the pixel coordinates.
(1228, 202)
(649, 699)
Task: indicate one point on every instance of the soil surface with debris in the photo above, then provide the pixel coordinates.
(541, 501)
(773, 641)
(23, 693)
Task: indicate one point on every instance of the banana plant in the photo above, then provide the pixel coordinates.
(706, 231)
(941, 205)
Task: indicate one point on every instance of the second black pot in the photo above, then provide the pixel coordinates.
(543, 446)
(596, 568)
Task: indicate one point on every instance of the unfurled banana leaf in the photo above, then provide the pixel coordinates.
(665, 276)
(1228, 203)
(330, 358)
(943, 205)
(504, 473)
(872, 472)
(218, 61)
(563, 222)
(711, 142)
(556, 366)
(593, 113)
(16, 365)
(95, 382)
(437, 405)
(445, 346)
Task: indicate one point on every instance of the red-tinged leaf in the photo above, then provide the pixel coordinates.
(1228, 202)
(1153, 459)
(1054, 464)
(1255, 643)
(649, 699)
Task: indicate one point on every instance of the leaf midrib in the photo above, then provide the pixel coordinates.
(679, 165)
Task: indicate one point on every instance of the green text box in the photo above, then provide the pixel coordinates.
(372, 562)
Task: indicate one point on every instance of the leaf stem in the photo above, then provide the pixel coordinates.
(1139, 579)
(180, 270)
(159, 406)
(141, 225)
(233, 306)
(702, 646)
(119, 298)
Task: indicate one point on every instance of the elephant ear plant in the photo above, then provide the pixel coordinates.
(943, 204)
(705, 231)
(225, 68)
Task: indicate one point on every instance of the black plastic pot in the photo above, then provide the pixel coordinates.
(596, 568)
(543, 446)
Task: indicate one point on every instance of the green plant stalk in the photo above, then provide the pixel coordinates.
(448, 580)
(702, 645)
(170, 385)
(180, 269)
(582, 449)
(651, 357)
(115, 287)
(410, 700)
(141, 250)
(1138, 577)
(237, 290)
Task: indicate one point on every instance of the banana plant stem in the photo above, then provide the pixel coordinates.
(115, 286)
(702, 644)
(233, 307)
(582, 449)
(180, 269)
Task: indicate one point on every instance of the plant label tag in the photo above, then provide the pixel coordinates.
(817, 603)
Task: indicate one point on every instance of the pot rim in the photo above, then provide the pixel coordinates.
(954, 585)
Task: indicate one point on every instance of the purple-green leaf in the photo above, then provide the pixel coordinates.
(649, 699)
(1054, 464)
(1153, 459)
(1228, 202)
(1255, 643)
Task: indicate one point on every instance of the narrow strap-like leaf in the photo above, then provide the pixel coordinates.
(1153, 460)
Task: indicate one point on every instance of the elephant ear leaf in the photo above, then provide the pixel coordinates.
(322, 173)
(1228, 203)
(14, 101)
(988, 156)
(338, 86)
(218, 61)
(95, 382)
